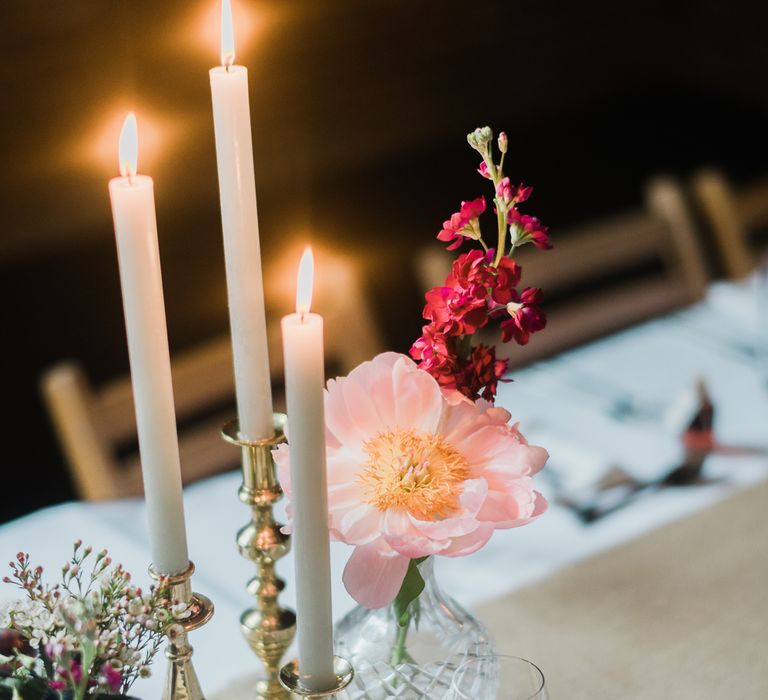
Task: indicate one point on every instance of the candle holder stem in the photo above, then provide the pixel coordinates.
(268, 628)
(181, 681)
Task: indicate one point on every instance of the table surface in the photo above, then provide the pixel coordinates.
(568, 404)
(681, 612)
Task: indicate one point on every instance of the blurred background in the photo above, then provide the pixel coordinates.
(359, 115)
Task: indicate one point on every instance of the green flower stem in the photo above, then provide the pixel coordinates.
(398, 650)
(496, 177)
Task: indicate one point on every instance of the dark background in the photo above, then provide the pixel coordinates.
(359, 114)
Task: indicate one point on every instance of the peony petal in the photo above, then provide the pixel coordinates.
(419, 402)
(343, 467)
(461, 546)
(373, 576)
(359, 525)
(516, 505)
(401, 534)
(282, 456)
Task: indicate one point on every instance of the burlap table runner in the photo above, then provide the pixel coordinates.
(681, 613)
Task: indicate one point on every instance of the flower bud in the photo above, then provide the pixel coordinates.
(480, 138)
(87, 550)
(503, 142)
(77, 544)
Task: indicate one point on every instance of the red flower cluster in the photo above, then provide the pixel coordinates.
(483, 284)
(474, 293)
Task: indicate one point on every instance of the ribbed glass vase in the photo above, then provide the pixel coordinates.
(417, 660)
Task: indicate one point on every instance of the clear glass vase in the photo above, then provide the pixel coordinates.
(417, 660)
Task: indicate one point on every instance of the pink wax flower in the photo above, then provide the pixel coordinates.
(414, 470)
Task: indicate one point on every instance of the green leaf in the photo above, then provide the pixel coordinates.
(410, 590)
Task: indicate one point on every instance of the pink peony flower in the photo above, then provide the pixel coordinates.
(414, 471)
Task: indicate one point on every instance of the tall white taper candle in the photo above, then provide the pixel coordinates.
(304, 381)
(133, 210)
(237, 192)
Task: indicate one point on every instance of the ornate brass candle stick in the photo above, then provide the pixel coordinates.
(268, 628)
(181, 680)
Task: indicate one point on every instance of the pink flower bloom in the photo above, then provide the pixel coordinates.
(507, 278)
(511, 194)
(483, 373)
(451, 231)
(415, 471)
(483, 170)
(463, 224)
(527, 229)
(526, 316)
(473, 209)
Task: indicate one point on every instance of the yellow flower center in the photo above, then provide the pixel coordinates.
(419, 472)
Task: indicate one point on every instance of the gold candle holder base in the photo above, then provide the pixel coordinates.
(181, 681)
(291, 681)
(268, 628)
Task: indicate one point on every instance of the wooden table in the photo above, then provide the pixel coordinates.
(681, 613)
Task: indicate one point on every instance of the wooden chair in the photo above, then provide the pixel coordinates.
(733, 216)
(610, 274)
(96, 426)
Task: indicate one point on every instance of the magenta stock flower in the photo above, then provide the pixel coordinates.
(526, 316)
(463, 224)
(460, 307)
(111, 677)
(525, 229)
(414, 471)
(512, 194)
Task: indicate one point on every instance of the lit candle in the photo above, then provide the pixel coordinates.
(237, 192)
(133, 210)
(304, 380)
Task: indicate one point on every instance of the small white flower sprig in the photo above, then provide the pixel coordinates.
(93, 632)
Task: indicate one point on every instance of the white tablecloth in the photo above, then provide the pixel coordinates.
(567, 404)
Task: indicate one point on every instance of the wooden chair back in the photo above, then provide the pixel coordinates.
(96, 426)
(734, 218)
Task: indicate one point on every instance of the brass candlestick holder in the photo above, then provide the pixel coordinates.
(291, 680)
(181, 680)
(268, 628)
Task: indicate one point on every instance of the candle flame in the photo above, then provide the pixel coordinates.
(227, 35)
(304, 282)
(128, 149)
